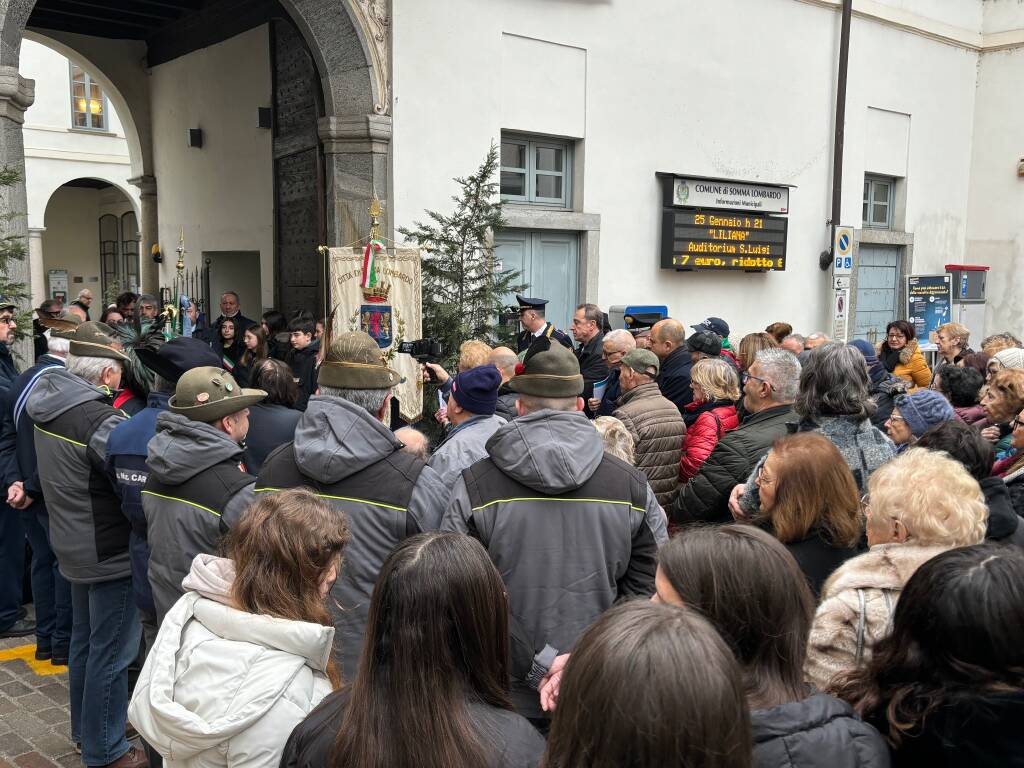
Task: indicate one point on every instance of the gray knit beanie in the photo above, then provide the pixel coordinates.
(923, 409)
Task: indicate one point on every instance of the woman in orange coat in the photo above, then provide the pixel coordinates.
(901, 355)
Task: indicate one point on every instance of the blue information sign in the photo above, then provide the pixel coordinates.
(929, 305)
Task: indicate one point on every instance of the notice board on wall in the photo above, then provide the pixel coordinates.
(929, 305)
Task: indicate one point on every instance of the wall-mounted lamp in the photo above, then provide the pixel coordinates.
(264, 117)
(195, 138)
(158, 257)
(1020, 168)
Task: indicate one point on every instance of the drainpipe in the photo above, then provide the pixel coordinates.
(840, 135)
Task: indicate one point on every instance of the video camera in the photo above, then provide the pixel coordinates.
(425, 351)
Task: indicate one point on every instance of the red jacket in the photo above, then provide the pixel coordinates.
(702, 437)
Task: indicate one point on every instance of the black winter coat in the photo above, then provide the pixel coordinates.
(513, 742)
(979, 732)
(674, 378)
(270, 426)
(506, 406)
(593, 367)
(818, 558)
(8, 371)
(819, 731)
(1004, 522)
(303, 365)
(706, 497)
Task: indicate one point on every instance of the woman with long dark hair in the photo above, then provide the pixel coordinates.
(653, 686)
(946, 686)
(245, 653)
(751, 590)
(228, 344)
(432, 685)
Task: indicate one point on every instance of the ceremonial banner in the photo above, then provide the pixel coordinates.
(378, 291)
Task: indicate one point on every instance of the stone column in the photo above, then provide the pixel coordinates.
(36, 270)
(16, 95)
(149, 270)
(356, 154)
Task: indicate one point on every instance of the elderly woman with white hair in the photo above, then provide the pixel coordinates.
(919, 504)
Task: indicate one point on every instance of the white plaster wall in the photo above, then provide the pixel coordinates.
(221, 194)
(736, 88)
(55, 153)
(995, 223)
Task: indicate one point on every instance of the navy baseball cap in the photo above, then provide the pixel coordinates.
(716, 325)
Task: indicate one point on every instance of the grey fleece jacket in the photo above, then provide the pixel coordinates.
(570, 530)
(356, 464)
(195, 492)
(88, 531)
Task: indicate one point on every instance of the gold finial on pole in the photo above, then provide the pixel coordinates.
(375, 210)
(181, 252)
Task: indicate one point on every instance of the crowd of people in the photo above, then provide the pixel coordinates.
(629, 547)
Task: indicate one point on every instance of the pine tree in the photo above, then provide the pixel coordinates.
(12, 249)
(463, 294)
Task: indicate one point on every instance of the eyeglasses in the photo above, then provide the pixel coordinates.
(745, 377)
(894, 417)
(762, 478)
(7, 319)
(896, 336)
(1016, 423)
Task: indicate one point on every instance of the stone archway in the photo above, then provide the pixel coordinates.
(350, 42)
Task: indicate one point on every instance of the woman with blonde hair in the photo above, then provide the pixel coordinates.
(712, 414)
(245, 654)
(617, 440)
(952, 341)
(809, 501)
(750, 345)
(919, 504)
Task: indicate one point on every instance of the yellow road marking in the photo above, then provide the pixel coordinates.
(27, 653)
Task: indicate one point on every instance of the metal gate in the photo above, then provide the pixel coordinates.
(878, 273)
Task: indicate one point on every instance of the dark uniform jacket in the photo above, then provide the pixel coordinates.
(18, 435)
(353, 461)
(525, 338)
(706, 497)
(593, 367)
(196, 490)
(570, 529)
(674, 378)
(127, 450)
(88, 531)
(819, 732)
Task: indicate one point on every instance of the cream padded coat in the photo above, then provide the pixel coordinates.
(222, 687)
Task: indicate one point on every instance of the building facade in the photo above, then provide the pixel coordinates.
(261, 129)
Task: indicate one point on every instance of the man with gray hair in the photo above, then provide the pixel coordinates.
(616, 345)
(794, 343)
(89, 534)
(816, 339)
(770, 386)
(83, 301)
(588, 330)
(344, 451)
(505, 360)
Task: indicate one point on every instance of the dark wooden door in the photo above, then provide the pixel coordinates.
(298, 173)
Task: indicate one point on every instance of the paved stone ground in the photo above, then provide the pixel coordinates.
(35, 719)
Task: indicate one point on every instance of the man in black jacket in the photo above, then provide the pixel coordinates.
(587, 326)
(668, 342)
(769, 389)
(505, 360)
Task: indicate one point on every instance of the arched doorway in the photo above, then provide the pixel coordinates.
(346, 50)
(90, 242)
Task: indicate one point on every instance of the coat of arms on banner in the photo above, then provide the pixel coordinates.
(375, 315)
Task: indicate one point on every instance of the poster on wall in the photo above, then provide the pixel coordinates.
(58, 280)
(929, 303)
(380, 294)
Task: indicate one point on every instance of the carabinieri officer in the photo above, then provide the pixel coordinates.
(531, 316)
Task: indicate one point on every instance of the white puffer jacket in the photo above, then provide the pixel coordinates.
(223, 687)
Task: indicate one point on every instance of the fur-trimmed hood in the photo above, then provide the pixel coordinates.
(906, 354)
(884, 566)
